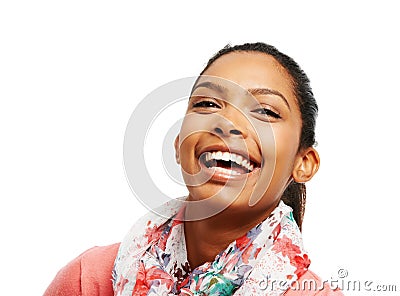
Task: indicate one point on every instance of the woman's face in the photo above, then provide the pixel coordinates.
(239, 140)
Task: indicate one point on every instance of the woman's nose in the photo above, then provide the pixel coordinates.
(221, 132)
(226, 127)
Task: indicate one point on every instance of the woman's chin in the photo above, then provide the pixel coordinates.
(212, 200)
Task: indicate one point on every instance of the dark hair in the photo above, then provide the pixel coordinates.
(295, 193)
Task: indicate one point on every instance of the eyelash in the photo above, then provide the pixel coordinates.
(206, 104)
(268, 112)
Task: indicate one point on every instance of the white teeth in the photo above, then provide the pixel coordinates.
(245, 163)
(226, 156)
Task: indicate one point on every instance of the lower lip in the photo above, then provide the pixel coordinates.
(224, 177)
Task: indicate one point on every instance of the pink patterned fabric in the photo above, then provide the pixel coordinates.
(90, 275)
(152, 258)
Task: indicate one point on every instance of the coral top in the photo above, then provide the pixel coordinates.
(90, 275)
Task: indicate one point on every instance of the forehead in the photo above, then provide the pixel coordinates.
(252, 70)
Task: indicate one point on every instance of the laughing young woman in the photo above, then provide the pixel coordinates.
(246, 150)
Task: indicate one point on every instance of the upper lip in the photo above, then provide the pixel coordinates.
(231, 149)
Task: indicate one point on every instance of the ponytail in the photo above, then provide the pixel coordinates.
(295, 197)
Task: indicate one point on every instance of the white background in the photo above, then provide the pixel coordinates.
(72, 72)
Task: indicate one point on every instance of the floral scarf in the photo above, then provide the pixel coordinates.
(265, 261)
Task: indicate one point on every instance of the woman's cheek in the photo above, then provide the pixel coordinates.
(287, 143)
(187, 155)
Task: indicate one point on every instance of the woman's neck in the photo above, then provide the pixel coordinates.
(206, 238)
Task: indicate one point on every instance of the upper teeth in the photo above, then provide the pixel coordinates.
(227, 156)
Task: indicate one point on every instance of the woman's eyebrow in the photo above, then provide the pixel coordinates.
(211, 85)
(268, 91)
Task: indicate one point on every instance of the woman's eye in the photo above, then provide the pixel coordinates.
(206, 104)
(267, 112)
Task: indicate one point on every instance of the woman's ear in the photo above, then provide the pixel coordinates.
(306, 165)
(176, 144)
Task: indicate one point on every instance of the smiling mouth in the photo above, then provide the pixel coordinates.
(227, 163)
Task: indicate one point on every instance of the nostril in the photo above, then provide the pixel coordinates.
(218, 130)
(235, 132)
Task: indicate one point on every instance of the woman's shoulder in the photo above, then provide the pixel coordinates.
(311, 284)
(88, 274)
